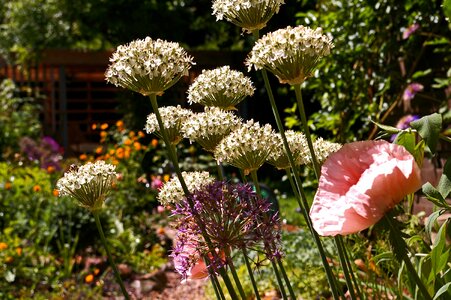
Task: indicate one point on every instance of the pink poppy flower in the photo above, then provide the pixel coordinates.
(361, 182)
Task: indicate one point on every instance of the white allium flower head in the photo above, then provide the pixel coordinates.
(88, 184)
(322, 149)
(148, 66)
(210, 127)
(248, 14)
(221, 87)
(172, 191)
(291, 54)
(173, 118)
(298, 147)
(247, 147)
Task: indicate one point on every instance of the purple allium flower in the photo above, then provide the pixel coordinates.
(51, 143)
(232, 216)
(411, 90)
(409, 30)
(404, 123)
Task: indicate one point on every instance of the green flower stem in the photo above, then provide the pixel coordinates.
(173, 157)
(220, 171)
(282, 269)
(399, 242)
(338, 241)
(304, 204)
(344, 265)
(110, 258)
(279, 280)
(354, 279)
(214, 281)
(251, 274)
(316, 167)
(235, 274)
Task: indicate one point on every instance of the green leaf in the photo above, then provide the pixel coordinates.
(433, 195)
(444, 185)
(442, 290)
(429, 128)
(439, 253)
(389, 129)
(408, 140)
(431, 221)
(419, 74)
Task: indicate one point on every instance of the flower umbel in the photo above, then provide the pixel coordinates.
(88, 184)
(248, 14)
(173, 118)
(361, 182)
(172, 191)
(291, 54)
(148, 66)
(298, 147)
(221, 87)
(210, 127)
(247, 147)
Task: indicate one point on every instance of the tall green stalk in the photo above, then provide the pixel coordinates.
(110, 257)
(173, 157)
(251, 274)
(302, 201)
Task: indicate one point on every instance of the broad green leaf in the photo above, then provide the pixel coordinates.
(429, 128)
(444, 185)
(439, 253)
(433, 195)
(419, 153)
(431, 221)
(408, 140)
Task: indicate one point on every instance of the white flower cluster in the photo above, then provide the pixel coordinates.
(322, 149)
(210, 127)
(172, 191)
(148, 66)
(298, 147)
(247, 147)
(247, 14)
(291, 54)
(89, 184)
(173, 118)
(221, 87)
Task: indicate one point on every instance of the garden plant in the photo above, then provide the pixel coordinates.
(356, 235)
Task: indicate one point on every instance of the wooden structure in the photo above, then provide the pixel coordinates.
(76, 94)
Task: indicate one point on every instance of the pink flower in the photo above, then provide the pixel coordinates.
(411, 90)
(361, 182)
(409, 30)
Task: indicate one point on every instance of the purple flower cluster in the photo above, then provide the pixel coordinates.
(47, 152)
(232, 216)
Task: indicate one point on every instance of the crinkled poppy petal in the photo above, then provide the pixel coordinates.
(198, 271)
(360, 183)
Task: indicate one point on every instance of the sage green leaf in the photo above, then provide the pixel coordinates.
(429, 128)
(444, 185)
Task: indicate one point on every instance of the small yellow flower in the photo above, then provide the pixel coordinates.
(96, 271)
(154, 142)
(9, 259)
(19, 251)
(166, 177)
(111, 152)
(3, 246)
(36, 188)
(89, 278)
(83, 157)
(120, 124)
(104, 126)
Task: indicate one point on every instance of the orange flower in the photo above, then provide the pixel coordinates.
(19, 251)
(51, 169)
(8, 185)
(141, 134)
(89, 278)
(111, 152)
(120, 123)
(94, 126)
(120, 153)
(127, 142)
(104, 126)
(36, 188)
(131, 134)
(96, 271)
(9, 259)
(56, 193)
(83, 157)
(137, 146)
(3, 246)
(103, 134)
(154, 142)
(166, 178)
(99, 150)
(115, 162)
